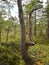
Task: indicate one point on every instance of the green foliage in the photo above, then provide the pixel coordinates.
(10, 51)
(10, 54)
(40, 50)
(47, 9)
(31, 5)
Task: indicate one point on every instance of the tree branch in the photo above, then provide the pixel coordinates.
(35, 8)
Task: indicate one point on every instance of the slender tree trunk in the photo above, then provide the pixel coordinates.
(0, 34)
(35, 25)
(30, 23)
(48, 18)
(48, 26)
(23, 34)
(30, 28)
(24, 47)
(7, 34)
(14, 33)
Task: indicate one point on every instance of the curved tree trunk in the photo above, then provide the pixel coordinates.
(23, 35)
(24, 47)
(30, 22)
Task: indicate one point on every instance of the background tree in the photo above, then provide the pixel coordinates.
(47, 11)
(32, 6)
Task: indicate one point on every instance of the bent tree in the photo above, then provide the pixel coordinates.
(24, 45)
(30, 23)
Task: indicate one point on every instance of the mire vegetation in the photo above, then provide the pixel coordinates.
(24, 40)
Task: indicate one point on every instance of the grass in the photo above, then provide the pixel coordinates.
(40, 50)
(12, 55)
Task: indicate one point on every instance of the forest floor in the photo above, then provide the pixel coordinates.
(10, 53)
(41, 50)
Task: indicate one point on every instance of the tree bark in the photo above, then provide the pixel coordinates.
(35, 25)
(30, 22)
(48, 18)
(24, 48)
(48, 25)
(14, 33)
(30, 28)
(7, 34)
(23, 34)
(0, 34)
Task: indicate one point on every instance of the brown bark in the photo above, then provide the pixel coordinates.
(30, 22)
(0, 34)
(24, 48)
(14, 33)
(48, 25)
(23, 35)
(48, 19)
(35, 25)
(30, 28)
(7, 34)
